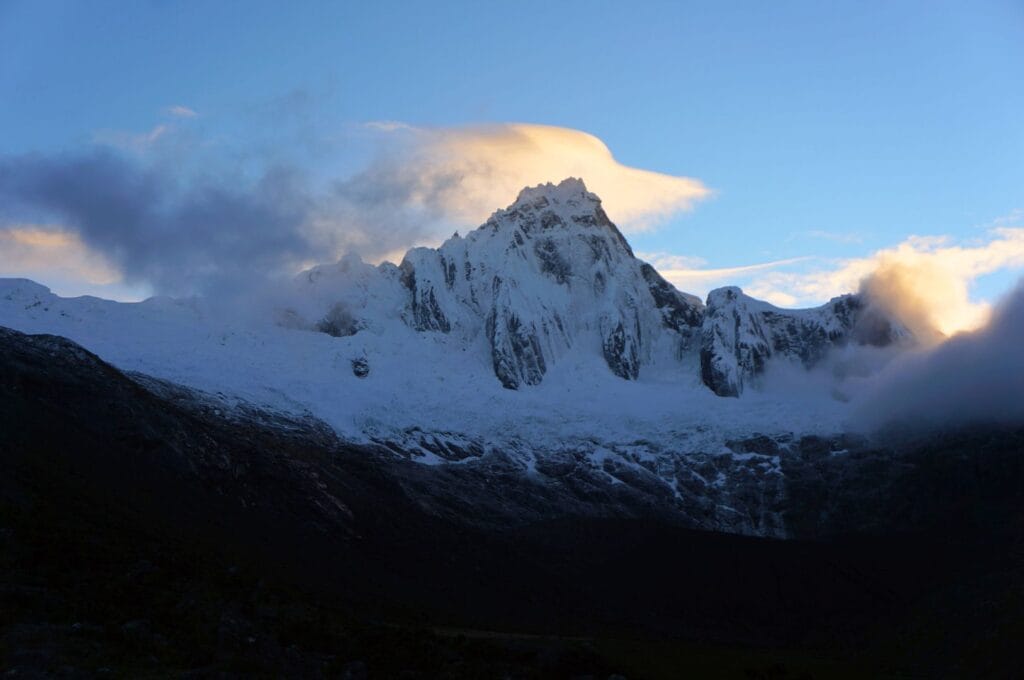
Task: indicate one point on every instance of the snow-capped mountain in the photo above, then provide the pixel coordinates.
(548, 276)
(537, 345)
(551, 275)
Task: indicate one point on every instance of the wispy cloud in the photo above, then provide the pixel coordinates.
(179, 111)
(691, 275)
(834, 236)
(1015, 218)
(387, 125)
(136, 142)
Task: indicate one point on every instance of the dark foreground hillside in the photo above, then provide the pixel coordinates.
(141, 535)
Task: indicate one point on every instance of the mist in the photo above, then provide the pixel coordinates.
(973, 378)
(927, 380)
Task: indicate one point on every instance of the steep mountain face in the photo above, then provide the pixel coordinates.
(549, 275)
(740, 334)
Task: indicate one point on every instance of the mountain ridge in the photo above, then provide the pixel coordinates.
(552, 273)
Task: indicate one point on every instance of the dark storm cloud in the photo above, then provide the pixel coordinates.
(177, 234)
(185, 221)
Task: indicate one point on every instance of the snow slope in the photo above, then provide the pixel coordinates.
(429, 381)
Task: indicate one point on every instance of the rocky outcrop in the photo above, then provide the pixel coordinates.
(425, 311)
(621, 349)
(360, 367)
(515, 350)
(681, 312)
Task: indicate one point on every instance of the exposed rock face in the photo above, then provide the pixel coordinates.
(680, 311)
(338, 322)
(622, 352)
(425, 312)
(740, 334)
(515, 350)
(360, 367)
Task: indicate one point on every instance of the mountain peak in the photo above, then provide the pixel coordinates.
(569, 198)
(551, 277)
(548, 208)
(570, 190)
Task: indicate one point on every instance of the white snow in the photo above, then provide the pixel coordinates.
(429, 381)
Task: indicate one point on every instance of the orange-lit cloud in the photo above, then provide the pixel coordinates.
(926, 281)
(469, 172)
(45, 252)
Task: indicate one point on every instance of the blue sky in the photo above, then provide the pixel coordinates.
(825, 130)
